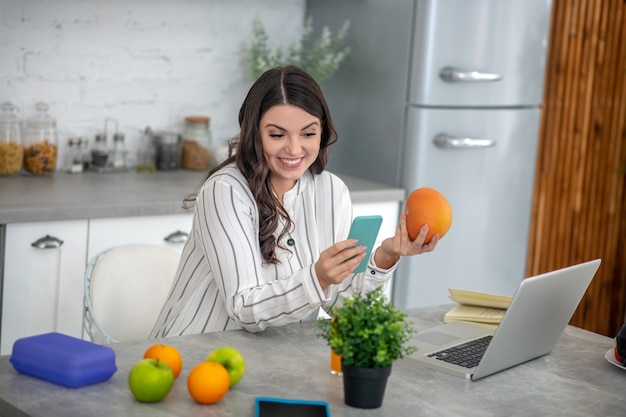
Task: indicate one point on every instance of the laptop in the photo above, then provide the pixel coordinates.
(531, 327)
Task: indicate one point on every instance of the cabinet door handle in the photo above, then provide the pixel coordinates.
(453, 75)
(448, 142)
(177, 237)
(47, 242)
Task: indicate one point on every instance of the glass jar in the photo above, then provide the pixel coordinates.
(11, 147)
(73, 163)
(85, 155)
(119, 156)
(167, 145)
(146, 161)
(197, 143)
(40, 142)
(100, 153)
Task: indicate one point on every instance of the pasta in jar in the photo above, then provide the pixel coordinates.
(40, 142)
(11, 157)
(11, 149)
(40, 158)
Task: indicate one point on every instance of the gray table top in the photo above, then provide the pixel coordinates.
(91, 195)
(292, 362)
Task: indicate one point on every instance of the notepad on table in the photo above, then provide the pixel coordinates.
(477, 307)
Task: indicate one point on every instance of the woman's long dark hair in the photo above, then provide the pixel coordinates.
(282, 85)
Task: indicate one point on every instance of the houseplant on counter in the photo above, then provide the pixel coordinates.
(369, 333)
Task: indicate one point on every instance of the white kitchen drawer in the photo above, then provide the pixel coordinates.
(167, 230)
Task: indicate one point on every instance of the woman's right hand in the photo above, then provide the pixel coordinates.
(338, 261)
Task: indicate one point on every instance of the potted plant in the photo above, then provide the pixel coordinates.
(369, 333)
(320, 58)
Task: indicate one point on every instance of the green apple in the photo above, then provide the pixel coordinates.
(150, 380)
(232, 360)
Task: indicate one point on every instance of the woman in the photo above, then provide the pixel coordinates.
(268, 243)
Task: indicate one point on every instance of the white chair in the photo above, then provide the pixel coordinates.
(125, 288)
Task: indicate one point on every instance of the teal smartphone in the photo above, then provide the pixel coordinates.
(365, 229)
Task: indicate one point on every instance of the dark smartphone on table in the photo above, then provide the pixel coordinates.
(365, 230)
(283, 407)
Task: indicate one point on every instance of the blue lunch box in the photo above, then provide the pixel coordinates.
(63, 360)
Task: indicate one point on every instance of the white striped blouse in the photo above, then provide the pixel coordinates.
(222, 282)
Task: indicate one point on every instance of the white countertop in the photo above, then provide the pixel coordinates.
(91, 195)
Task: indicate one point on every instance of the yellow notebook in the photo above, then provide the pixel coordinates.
(477, 307)
(480, 299)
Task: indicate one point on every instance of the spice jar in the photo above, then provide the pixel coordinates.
(40, 142)
(11, 148)
(85, 155)
(167, 145)
(119, 157)
(196, 145)
(100, 153)
(73, 162)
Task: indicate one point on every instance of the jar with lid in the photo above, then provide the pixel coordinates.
(11, 147)
(40, 142)
(73, 163)
(167, 146)
(100, 153)
(85, 155)
(197, 143)
(119, 157)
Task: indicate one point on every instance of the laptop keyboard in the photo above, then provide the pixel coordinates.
(466, 355)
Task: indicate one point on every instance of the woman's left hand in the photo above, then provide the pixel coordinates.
(400, 244)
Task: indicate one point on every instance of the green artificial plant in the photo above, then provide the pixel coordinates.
(368, 331)
(320, 58)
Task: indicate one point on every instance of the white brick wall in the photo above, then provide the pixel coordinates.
(141, 62)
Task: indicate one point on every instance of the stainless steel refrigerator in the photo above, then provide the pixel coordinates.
(446, 94)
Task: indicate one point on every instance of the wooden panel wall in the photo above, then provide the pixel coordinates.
(579, 206)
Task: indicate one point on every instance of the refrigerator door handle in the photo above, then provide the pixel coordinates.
(451, 74)
(444, 141)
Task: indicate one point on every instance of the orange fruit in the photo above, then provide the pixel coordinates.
(168, 355)
(208, 382)
(427, 206)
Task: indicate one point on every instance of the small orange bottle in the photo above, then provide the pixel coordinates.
(335, 363)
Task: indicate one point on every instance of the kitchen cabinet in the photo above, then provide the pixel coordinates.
(167, 230)
(43, 279)
(43, 286)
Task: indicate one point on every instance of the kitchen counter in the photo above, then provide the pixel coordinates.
(92, 195)
(292, 362)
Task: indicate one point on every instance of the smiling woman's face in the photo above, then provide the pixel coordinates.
(291, 142)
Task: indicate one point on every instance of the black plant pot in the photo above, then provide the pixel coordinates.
(364, 387)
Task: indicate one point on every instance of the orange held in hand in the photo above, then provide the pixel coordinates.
(208, 382)
(168, 355)
(427, 206)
